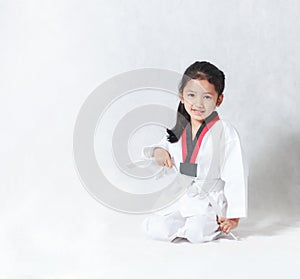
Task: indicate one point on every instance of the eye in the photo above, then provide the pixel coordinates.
(207, 97)
(191, 94)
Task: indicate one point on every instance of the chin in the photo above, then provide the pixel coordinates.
(198, 118)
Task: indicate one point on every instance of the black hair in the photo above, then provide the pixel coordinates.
(198, 70)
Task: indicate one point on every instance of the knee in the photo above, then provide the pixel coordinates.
(155, 227)
(200, 229)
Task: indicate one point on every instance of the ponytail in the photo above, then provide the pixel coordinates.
(183, 118)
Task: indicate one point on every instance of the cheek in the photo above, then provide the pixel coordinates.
(210, 103)
(187, 107)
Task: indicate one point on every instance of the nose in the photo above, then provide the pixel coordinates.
(198, 102)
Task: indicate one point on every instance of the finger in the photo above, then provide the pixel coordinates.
(221, 219)
(227, 229)
(169, 163)
(221, 227)
(162, 163)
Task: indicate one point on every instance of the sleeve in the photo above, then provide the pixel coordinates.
(147, 151)
(235, 175)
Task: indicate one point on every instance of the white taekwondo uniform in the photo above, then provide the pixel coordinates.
(219, 186)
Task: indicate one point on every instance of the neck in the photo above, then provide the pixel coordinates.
(196, 125)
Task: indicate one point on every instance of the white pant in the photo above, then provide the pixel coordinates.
(196, 228)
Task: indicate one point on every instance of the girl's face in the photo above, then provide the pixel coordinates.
(200, 99)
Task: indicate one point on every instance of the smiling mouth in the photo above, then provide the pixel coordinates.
(198, 111)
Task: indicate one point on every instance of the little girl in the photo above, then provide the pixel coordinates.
(206, 148)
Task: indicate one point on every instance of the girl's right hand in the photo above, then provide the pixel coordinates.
(162, 157)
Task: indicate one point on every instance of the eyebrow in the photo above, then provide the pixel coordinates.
(203, 92)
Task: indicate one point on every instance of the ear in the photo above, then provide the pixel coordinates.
(220, 100)
(181, 97)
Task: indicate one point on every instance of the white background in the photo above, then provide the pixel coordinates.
(54, 53)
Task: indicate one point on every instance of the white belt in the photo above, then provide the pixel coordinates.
(204, 187)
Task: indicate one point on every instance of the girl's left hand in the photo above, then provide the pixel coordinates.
(227, 224)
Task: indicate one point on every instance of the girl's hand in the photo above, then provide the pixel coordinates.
(227, 224)
(162, 157)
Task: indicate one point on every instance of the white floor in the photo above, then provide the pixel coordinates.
(271, 251)
(113, 246)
